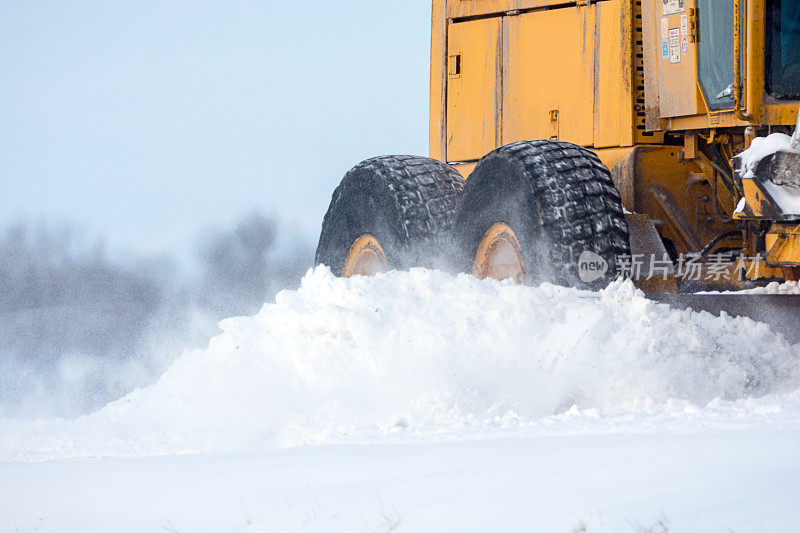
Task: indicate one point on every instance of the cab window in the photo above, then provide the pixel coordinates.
(783, 49)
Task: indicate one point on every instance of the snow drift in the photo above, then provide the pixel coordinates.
(787, 195)
(427, 355)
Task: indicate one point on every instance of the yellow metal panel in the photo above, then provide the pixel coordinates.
(780, 114)
(547, 81)
(755, 52)
(474, 51)
(465, 169)
(755, 199)
(783, 244)
(631, 91)
(436, 129)
(678, 92)
(634, 30)
(651, 42)
(773, 114)
(608, 70)
(764, 113)
(471, 8)
(658, 181)
(758, 202)
(609, 157)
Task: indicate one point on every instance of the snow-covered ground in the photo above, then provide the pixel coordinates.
(420, 401)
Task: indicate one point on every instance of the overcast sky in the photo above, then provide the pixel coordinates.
(147, 120)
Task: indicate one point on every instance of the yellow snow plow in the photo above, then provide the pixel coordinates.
(575, 142)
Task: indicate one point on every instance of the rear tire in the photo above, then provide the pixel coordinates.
(559, 200)
(405, 203)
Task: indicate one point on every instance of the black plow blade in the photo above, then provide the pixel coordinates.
(780, 311)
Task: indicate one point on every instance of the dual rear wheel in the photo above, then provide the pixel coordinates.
(390, 212)
(528, 212)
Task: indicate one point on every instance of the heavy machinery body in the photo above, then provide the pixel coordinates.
(665, 92)
(568, 139)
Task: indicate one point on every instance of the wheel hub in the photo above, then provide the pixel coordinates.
(365, 258)
(499, 255)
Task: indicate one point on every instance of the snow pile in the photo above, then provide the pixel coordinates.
(786, 287)
(761, 147)
(786, 195)
(431, 355)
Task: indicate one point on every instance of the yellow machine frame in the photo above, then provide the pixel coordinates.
(591, 72)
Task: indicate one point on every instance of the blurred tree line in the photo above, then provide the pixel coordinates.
(78, 329)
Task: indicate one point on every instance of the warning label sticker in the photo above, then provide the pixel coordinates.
(674, 45)
(684, 24)
(664, 27)
(670, 7)
(684, 44)
(664, 48)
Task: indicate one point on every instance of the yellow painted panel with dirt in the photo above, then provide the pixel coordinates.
(473, 56)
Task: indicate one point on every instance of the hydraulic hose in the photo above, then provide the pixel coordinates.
(713, 242)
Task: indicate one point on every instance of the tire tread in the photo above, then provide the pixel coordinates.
(425, 192)
(579, 206)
